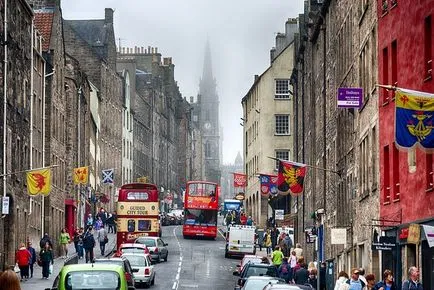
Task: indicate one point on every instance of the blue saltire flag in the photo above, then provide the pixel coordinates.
(414, 122)
(108, 176)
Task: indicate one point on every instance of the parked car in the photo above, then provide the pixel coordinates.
(287, 287)
(171, 219)
(157, 248)
(91, 276)
(131, 248)
(121, 261)
(251, 259)
(252, 269)
(143, 270)
(259, 282)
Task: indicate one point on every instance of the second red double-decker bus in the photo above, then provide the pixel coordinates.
(200, 209)
(137, 212)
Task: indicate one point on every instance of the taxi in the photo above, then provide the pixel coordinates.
(91, 276)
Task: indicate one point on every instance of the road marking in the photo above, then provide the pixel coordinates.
(176, 283)
(221, 233)
(190, 286)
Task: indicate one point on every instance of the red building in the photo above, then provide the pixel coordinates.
(405, 53)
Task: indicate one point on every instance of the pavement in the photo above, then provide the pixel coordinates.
(37, 283)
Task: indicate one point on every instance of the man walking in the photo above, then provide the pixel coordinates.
(88, 244)
(413, 280)
(102, 239)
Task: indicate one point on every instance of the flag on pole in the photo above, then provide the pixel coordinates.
(291, 177)
(39, 181)
(268, 184)
(240, 180)
(108, 176)
(429, 234)
(414, 122)
(81, 175)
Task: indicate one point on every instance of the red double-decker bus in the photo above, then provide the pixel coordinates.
(137, 212)
(200, 209)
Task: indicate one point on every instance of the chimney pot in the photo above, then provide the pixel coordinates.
(142, 49)
(149, 49)
(156, 50)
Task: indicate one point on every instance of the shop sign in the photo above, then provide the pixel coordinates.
(413, 234)
(339, 236)
(279, 214)
(5, 205)
(429, 234)
(384, 244)
(310, 235)
(403, 234)
(350, 97)
(240, 196)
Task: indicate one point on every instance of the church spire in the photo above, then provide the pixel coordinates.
(207, 64)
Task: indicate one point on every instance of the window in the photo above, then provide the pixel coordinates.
(386, 174)
(394, 65)
(411, 158)
(374, 158)
(363, 168)
(282, 89)
(283, 155)
(385, 74)
(428, 47)
(395, 172)
(207, 149)
(282, 124)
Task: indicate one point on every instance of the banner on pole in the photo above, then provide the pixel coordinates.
(240, 180)
(291, 177)
(39, 181)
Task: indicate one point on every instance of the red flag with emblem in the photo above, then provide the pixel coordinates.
(240, 180)
(291, 177)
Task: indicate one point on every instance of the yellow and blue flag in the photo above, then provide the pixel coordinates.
(414, 119)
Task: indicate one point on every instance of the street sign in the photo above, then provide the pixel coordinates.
(339, 236)
(279, 214)
(384, 244)
(5, 205)
(350, 97)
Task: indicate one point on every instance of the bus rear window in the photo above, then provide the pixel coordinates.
(137, 196)
(201, 189)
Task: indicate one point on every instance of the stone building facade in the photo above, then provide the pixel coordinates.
(335, 48)
(227, 181)
(92, 43)
(267, 128)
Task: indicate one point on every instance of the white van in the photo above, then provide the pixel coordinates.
(240, 240)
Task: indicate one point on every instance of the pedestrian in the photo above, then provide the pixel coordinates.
(89, 244)
(89, 220)
(362, 275)
(23, 257)
(288, 245)
(80, 243)
(47, 259)
(387, 283)
(45, 239)
(322, 276)
(103, 215)
(370, 280)
(293, 260)
(243, 218)
(249, 221)
(284, 271)
(110, 223)
(267, 242)
(355, 283)
(115, 218)
(76, 239)
(341, 282)
(33, 257)
(98, 223)
(313, 280)
(298, 251)
(274, 236)
(301, 276)
(412, 283)
(9, 281)
(64, 242)
(102, 239)
(277, 256)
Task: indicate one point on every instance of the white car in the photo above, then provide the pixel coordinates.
(143, 270)
(157, 248)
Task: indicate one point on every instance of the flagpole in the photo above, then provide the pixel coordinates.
(387, 87)
(22, 171)
(311, 166)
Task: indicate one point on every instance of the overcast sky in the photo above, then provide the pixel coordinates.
(241, 34)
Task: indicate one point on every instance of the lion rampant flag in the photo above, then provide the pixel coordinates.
(39, 181)
(81, 175)
(291, 177)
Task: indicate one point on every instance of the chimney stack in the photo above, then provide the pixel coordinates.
(191, 100)
(109, 15)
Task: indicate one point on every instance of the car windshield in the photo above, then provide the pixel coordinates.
(137, 261)
(81, 280)
(147, 242)
(258, 284)
(261, 271)
(200, 217)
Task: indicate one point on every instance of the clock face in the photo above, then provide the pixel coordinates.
(207, 125)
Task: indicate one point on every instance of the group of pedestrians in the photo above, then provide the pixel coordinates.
(358, 281)
(102, 218)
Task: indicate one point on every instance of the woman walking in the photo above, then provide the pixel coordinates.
(267, 242)
(23, 257)
(64, 241)
(46, 257)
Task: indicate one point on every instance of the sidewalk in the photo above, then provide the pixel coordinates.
(38, 283)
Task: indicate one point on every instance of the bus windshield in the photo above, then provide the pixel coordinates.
(201, 189)
(200, 217)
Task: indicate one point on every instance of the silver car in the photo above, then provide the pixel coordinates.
(143, 270)
(157, 248)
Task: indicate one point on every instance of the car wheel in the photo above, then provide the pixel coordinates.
(153, 281)
(165, 258)
(159, 258)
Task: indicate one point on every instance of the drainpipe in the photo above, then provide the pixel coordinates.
(5, 89)
(31, 108)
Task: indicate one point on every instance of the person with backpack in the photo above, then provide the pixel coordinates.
(102, 239)
(412, 283)
(284, 271)
(387, 283)
(88, 244)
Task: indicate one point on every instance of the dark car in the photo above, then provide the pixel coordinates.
(252, 269)
(121, 261)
